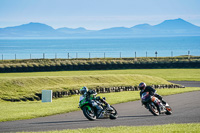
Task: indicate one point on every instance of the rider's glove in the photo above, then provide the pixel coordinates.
(98, 98)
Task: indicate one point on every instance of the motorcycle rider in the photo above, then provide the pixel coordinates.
(144, 88)
(90, 96)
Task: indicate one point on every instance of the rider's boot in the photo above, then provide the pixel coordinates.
(100, 112)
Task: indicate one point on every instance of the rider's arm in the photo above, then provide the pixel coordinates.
(152, 91)
(92, 94)
(140, 94)
(141, 99)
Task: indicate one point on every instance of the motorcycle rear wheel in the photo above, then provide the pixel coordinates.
(153, 109)
(89, 114)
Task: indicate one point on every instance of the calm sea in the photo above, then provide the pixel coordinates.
(91, 48)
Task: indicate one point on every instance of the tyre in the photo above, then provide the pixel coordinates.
(113, 114)
(153, 109)
(168, 110)
(89, 114)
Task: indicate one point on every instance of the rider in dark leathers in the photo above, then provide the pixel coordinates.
(143, 88)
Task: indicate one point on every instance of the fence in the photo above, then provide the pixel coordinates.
(76, 55)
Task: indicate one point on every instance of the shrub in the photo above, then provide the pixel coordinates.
(1, 66)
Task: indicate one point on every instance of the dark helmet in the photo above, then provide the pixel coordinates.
(142, 86)
(83, 90)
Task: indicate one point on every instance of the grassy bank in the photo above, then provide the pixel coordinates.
(20, 85)
(26, 110)
(26, 87)
(167, 74)
(168, 128)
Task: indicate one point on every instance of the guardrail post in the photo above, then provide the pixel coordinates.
(156, 53)
(188, 54)
(135, 54)
(68, 55)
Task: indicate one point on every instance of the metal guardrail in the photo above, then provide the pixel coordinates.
(76, 55)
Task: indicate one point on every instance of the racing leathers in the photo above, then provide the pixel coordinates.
(152, 92)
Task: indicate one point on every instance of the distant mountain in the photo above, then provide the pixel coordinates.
(141, 26)
(72, 31)
(32, 27)
(175, 27)
(115, 31)
(28, 30)
(175, 24)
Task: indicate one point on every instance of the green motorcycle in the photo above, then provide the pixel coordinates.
(92, 113)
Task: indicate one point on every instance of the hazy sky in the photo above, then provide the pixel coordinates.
(96, 14)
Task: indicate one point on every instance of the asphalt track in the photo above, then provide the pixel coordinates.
(186, 109)
(187, 83)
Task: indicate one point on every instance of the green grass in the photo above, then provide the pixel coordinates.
(168, 128)
(168, 74)
(20, 87)
(26, 110)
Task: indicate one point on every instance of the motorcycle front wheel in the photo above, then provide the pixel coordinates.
(89, 114)
(153, 109)
(113, 114)
(168, 110)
